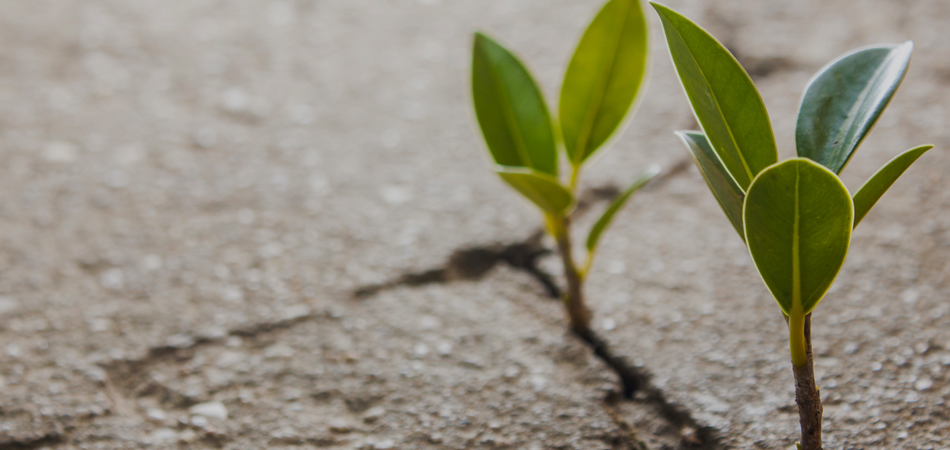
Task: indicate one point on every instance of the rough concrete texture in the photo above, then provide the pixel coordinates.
(192, 192)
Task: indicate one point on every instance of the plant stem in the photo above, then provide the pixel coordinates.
(807, 396)
(577, 311)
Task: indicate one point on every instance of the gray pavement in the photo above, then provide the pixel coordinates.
(191, 193)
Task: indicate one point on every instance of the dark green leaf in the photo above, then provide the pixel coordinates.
(720, 182)
(725, 101)
(511, 109)
(603, 77)
(542, 189)
(798, 218)
(881, 181)
(844, 100)
(618, 203)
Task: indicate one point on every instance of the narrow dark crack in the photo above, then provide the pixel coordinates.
(635, 380)
(474, 262)
(49, 439)
(132, 374)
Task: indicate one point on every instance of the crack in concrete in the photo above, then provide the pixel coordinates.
(49, 439)
(472, 264)
(130, 374)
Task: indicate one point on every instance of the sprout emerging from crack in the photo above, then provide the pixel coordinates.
(795, 216)
(602, 81)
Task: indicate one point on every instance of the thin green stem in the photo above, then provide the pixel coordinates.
(796, 339)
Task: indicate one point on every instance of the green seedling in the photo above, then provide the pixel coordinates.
(795, 216)
(602, 81)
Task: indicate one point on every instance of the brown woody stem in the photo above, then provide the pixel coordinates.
(577, 311)
(808, 397)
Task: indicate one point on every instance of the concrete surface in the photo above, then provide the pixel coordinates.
(191, 193)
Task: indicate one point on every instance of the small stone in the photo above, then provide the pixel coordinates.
(384, 444)
(229, 359)
(156, 415)
(923, 384)
(112, 279)
(373, 414)
(199, 421)
(278, 351)
(421, 350)
(609, 324)
(851, 348)
(188, 436)
(444, 348)
(180, 340)
(340, 425)
(921, 347)
(235, 100)
(876, 366)
(211, 410)
(163, 435)
(435, 438)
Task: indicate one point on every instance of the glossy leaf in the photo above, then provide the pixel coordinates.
(844, 100)
(618, 203)
(511, 109)
(542, 189)
(723, 97)
(798, 219)
(881, 181)
(603, 78)
(720, 182)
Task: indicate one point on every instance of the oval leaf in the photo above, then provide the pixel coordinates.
(798, 218)
(511, 109)
(603, 78)
(723, 97)
(720, 182)
(542, 189)
(618, 203)
(881, 181)
(844, 100)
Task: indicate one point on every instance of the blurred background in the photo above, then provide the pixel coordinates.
(192, 192)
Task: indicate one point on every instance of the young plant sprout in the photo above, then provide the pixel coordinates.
(602, 81)
(795, 216)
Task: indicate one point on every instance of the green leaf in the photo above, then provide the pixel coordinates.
(725, 101)
(511, 109)
(618, 203)
(720, 182)
(844, 100)
(542, 189)
(798, 218)
(603, 78)
(881, 181)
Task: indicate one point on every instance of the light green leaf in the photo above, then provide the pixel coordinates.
(881, 181)
(725, 101)
(542, 189)
(603, 77)
(720, 182)
(844, 100)
(798, 219)
(511, 109)
(618, 203)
